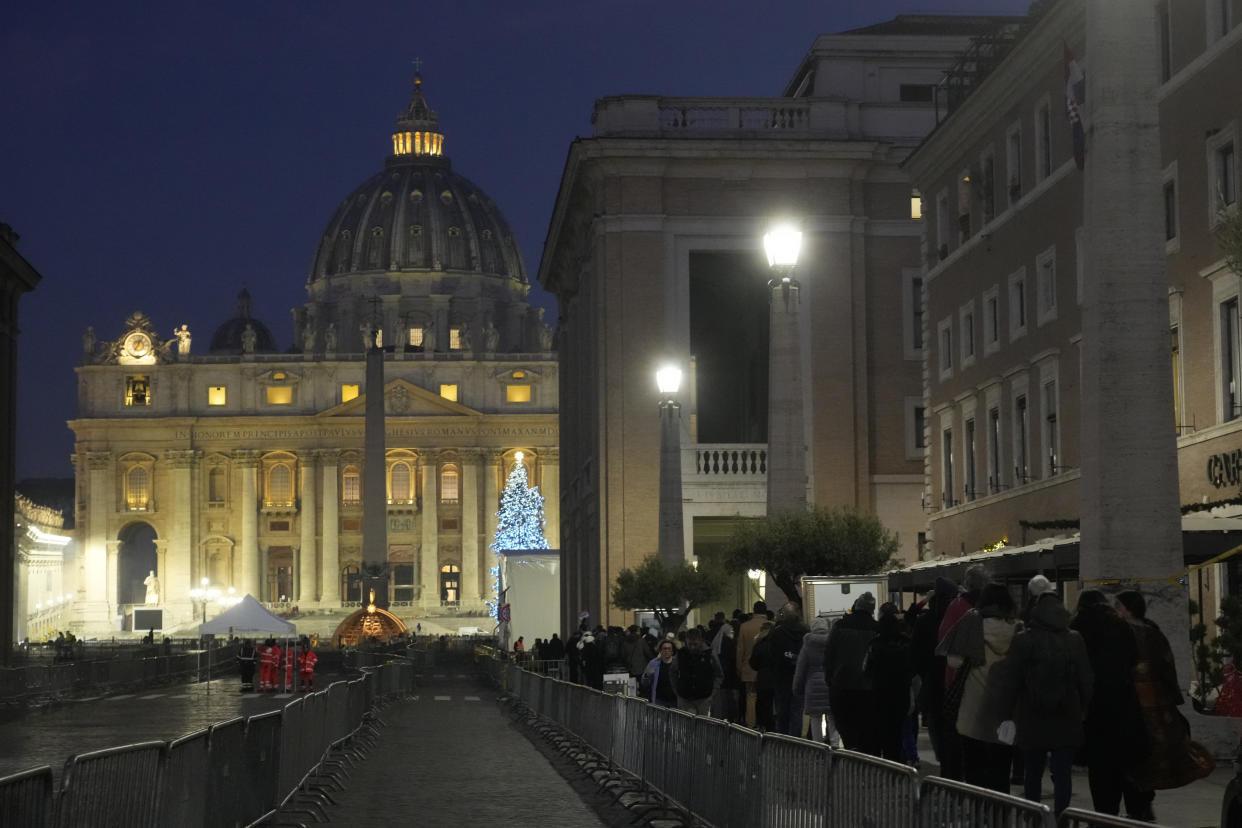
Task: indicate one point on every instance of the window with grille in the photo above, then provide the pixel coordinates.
(449, 489)
(280, 486)
(215, 485)
(137, 488)
(401, 483)
(351, 485)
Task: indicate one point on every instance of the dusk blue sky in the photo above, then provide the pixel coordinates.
(162, 156)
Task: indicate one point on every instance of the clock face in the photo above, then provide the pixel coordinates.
(138, 345)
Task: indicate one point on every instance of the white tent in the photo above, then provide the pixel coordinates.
(247, 617)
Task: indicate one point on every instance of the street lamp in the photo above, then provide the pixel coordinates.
(672, 544)
(786, 418)
(203, 594)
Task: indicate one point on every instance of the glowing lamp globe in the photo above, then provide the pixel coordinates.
(782, 244)
(668, 379)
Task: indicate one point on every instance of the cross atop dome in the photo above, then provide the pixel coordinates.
(418, 127)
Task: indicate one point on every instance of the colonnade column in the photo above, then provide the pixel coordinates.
(429, 573)
(307, 592)
(248, 466)
(331, 566)
(470, 527)
(100, 503)
(178, 548)
(112, 574)
(491, 505)
(550, 488)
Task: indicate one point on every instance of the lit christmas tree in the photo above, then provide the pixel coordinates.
(520, 524)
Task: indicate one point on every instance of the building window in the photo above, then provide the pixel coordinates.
(942, 225)
(137, 489)
(1170, 211)
(920, 427)
(1165, 33)
(399, 491)
(916, 312)
(1013, 164)
(449, 392)
(280, 485)
(1046, 290)
(517, 393)
(987, 185)
(449, 489)
(217, 395)
(1043, 141)
(916, 204)
(944, 334)
(965, 202)
(279, 394)
(215, 485)
(946, 463)
(969, 470)
(1230, 359)
(455, 338)
(1021, 421)
(1017, 304)
(349, 391)
(1176, 352)
(1052, 443)
(137, 391)
(994, 453)
(416, 337)
(991, 320)
(916, 92)
(1225, 175)
(351, 485)
(967, 320)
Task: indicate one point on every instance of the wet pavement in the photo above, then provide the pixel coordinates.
(51, 734)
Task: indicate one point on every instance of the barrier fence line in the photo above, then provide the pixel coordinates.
(26, 796)
(184, 794)
(724, 774)
(114, 786)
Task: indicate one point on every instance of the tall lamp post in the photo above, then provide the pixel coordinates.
(672, 544)
(786, 420)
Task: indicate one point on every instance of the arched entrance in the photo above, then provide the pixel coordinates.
(135, 559)
(450, 585)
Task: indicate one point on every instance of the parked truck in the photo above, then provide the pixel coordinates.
(834, 596)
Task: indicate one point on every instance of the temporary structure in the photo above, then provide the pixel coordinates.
(247, 617)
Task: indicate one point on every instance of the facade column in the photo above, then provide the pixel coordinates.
(96, 600)
(429, 573)
(550, 488)
(178, 548)
(307, 590)
(331, 563)
(491, 505)
(248, 465)
(113, 549)
(470, 528)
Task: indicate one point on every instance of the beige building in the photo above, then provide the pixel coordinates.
(1003, 270)
(654, 254)
(241, 465)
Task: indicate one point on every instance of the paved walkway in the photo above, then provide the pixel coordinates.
(450, 756)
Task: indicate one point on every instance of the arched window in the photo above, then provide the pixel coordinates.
(280, 486)
(351, 485)
(401, 483)
(215, 485)
(137, 489)
(449, 490)
(375, 253)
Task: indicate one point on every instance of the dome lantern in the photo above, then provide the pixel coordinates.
(418, 128)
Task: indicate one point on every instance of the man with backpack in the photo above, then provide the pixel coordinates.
(1045, 682)
(696, 674)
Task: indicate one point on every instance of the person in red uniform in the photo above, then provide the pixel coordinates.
(289, 663)
(263, 654)
(306, 666)
(274, 653)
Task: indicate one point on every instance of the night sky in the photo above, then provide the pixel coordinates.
(159, 157)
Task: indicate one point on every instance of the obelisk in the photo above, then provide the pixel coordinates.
(374, 488)
(1130, 518)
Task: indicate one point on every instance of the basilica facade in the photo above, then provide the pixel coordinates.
(238, 468)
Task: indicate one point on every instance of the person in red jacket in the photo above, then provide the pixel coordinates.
(307, 659)
(288, 665)
(265, 665)
(274, 654)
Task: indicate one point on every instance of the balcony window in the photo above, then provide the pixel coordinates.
(279, 394)
(217, 395)
(137, 391)
(517, 393)
(449, 489)
(400, 492)
(280, 485)
(137, 489)
(449, 391)
(351, 485)
(349, 391)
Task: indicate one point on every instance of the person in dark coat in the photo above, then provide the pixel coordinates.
(726, 705)
(849, 688)
(809, 683)
(890, 668)
(784, 644)
(1116, 737)
(929, 666)
(764, 670)
(952, 757)
(591, 656)
(1046, 682)
(554, 648)
(246, 662)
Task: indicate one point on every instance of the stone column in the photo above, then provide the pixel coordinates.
(786, 416)
(1131, 521)
(99, 567)
(470, 528)
(331, 564)
(429, 572)
(307, 591)
(440, 315)
(179, 547)
(550, 488)
(248, 466)
(112, 571)
(491, 505)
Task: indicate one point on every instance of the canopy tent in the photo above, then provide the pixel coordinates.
(247, 617)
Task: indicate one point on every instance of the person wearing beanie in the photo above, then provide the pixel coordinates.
(1038, 585)
(952, 762)
(849, 687)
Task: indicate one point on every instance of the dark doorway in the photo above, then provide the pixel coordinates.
(135, 559)
(280, 574)
(729, 341)
(351, 584)
(450, 585)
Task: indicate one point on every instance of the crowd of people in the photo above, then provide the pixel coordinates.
(286, 668)
(1006, 687)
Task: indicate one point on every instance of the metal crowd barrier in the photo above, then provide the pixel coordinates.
(26, 797)
(724, 774)
(946, 802)
(114, 786)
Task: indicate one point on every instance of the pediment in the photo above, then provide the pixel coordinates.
(403, 398)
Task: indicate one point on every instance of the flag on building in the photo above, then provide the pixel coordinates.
(1075, 97)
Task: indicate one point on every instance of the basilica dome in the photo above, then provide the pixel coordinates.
(231, 336)
(417, 214)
